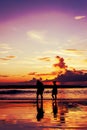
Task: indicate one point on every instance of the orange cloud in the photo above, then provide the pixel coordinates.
(32, 73)
(47, 74)
(71, 50)
(8, 58)
(60, 63)
(60, 66)
(43, 75)
(45, 59)
(4, 76)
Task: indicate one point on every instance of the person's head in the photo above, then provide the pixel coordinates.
(38, 80)
(54, 82)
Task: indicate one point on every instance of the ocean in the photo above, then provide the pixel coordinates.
(70, 93)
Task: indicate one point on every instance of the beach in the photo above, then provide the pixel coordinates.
(47, 114)
(53, 115)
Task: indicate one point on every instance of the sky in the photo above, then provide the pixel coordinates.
(42, 38)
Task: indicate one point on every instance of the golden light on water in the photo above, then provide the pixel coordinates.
(66, 115)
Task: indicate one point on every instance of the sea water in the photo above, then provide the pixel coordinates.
(71, 93)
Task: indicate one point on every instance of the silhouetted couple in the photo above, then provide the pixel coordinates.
(40, 89)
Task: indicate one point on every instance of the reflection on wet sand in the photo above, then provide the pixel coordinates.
(55, 108)
(43, 114)
(40, 111)
(59, 111)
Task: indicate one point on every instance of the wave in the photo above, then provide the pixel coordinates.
(66, 93)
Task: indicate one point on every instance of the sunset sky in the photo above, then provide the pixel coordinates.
(42, 38)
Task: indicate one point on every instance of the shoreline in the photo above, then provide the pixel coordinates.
(34, 86)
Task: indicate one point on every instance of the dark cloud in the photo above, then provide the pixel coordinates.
(72, 76)
(69, 75)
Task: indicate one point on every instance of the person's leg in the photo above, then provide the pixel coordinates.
(52, 94)
(55, 96)
(37, 95)
(41, 96)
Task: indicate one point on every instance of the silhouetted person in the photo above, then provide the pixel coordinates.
(40, 89)
(54, 90)
(40, 111)
(55, 107)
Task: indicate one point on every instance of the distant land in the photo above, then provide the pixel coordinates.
(34, 86)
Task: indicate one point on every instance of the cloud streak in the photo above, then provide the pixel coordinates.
(75, 51)
(5, 46)
(36, 35)
(44, 59)
(79, 17)
(42, 74)
(4, 76)
(7, 58)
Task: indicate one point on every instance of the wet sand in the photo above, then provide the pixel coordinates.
(43, 115)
